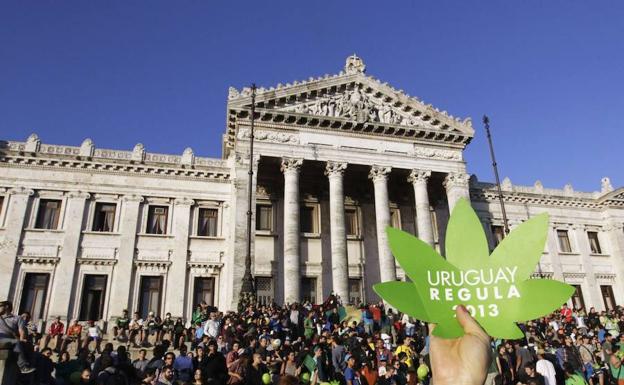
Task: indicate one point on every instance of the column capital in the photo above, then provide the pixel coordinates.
(291, 164)
(379, 173)
(183, 201)
(21, 191)
(78, 195)
(456, 179)
(418, 176)
(335, 168)
(132, 198)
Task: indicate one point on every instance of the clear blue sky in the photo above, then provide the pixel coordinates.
(549, 73)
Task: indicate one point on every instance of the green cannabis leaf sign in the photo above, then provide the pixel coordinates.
(496, 289)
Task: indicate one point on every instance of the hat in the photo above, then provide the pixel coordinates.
(348, 357)
(318, 347)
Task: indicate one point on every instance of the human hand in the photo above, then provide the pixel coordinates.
(464, 360)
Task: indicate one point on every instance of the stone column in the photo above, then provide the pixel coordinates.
(292, 271)
(419, 179)
(121, 292)
(456, 185)
(379, 176)
(64, 274)
(339, 258)
(176, 276)
(17, 204)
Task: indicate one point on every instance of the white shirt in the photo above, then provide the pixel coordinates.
(211, 328)
(94, 331)
(546, 369)
(294, 316)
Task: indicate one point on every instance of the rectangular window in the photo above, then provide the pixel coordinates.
(395, 218)
(104, 217)
(307, 219)
(93, 295)
(351, 222)
(308, 289)
(498, 233)
(264, 217)
(203, 290)
(150, 294)
(577, 298)
(607, 297)
(49, 214)
(207, 222)
(355, 291)
(1, 203)
(594, 244)
(34, 294)
(157, 219)
(264, 290)
(564, 241)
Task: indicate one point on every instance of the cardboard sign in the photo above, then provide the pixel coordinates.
(496, 289)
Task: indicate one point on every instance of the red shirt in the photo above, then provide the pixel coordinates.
(567, 313)
(376, 312)
(56, 328)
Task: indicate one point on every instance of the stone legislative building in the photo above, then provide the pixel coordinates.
(87, 232)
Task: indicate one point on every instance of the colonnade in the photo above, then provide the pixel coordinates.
(456, 185)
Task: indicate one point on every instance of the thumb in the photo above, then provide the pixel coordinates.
(469, 324)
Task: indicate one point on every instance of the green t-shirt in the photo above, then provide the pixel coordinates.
(122, 322)
(575, 379)
(617, 373)
(308, 325)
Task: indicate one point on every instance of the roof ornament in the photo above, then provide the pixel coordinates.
(354, 65)
(606, 186)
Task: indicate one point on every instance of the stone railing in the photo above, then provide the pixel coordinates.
(88, 150)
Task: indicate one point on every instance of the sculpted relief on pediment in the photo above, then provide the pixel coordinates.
(356, 105)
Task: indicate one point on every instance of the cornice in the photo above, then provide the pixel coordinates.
(97, 261)
(238, 116)
(38, 260)
(127, 168)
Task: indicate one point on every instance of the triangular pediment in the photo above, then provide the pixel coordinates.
(353, 95)
(354, 99)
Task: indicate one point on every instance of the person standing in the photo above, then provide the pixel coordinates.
(545, 368)
(352, 377)
(140, 364)
(12, 331)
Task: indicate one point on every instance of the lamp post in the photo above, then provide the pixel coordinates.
(486, 123)
(247, 294)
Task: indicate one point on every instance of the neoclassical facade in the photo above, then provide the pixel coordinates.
(87, 232)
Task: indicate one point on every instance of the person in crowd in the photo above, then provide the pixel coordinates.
(183, 366)
(167, 376)
(140, 364)
(616, 369)
(122, 325)
(94, 333)
(13, 332)
(135, 328)
(313, 344)
(55, 332)
(74, 334)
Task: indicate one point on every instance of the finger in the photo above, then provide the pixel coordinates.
(469, 324)
(431, 326)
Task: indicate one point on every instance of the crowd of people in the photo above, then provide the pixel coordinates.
(303, 344)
